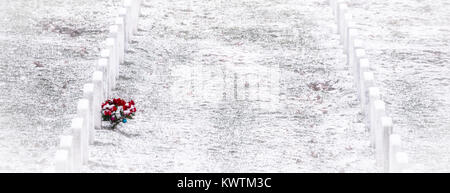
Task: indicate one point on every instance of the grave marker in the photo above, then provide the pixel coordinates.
(97, 80)
(105, 55)
(83, 112)
(343, 23)
(366, 82)
(374, 95)
(342, 9)
(127, 4)
(77, 127)
(386, 130)
(62, 161)
(102, 66)
(88, 92)
(114, 36)
(348, 25)
(378, 110)
(112, 60)
(126, 37)
(361, 65)
(66, 143)
(121, 38)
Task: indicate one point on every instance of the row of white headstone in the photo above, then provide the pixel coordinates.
(73, 151)
(387, 143)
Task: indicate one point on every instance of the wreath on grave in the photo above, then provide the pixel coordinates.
(117, 111)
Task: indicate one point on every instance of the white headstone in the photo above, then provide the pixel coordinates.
(127, 4)
(386, 131)
(342, 9)
(62, 161)
(114, 34)
(379, 110)
(97, 80)
(66, 143)
(102, 66)
(77, 127)
(105, 54)
(332, 4)
(354, 45)
(346, 18)
(374, 95)
(121, 38)
(350, 32)
(353, 35)
(366, 83)
(123, 16)
(402, 162)
(88, 92)
(363, 66)
(336, 10)
(83, 112)
(360, 53)
(112, 59)
(136, 8)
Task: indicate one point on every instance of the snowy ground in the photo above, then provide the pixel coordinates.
(47, 52)
(236, 86)
(408, 42)
(225, 86)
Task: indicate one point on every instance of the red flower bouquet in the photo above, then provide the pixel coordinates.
(118, 111)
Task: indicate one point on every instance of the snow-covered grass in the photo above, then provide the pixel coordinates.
(48, 50)
(226, 86)
(236, 86)
(408, 43)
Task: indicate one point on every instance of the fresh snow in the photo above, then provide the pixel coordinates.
(225, 85)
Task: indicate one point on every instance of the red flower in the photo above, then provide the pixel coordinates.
(125, 108)
(114, 108)
(108, 113)
(132, 102)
